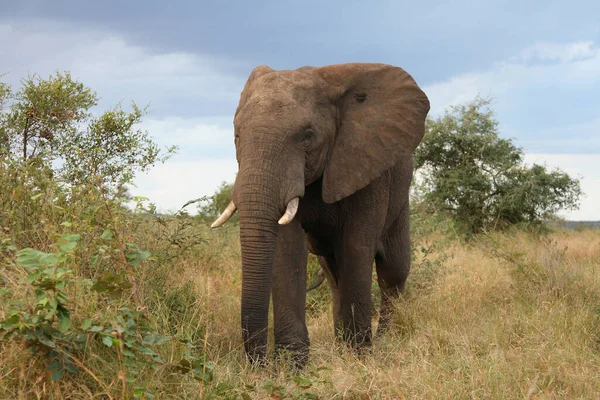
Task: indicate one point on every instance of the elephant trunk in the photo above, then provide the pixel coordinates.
(258, 203)
(258, 236)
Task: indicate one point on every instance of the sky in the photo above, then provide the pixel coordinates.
(189, 60)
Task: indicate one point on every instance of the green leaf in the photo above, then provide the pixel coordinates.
(29, 258)
(49, 260)
(96, 328)
(115, 293)
(68, 242)
(107, 235)
(146, 350)
(107, 340)
(34, 276)
(303, 382)
(127, 353)
(86, 324)
(157, 359)
(130, 324)
(100, 286)
(64, 324)
(52, 302)
(58, 374)
(54, 366)
(126, 285)
(69, 366)
(12, 320)
(134, 258)
(47, 342)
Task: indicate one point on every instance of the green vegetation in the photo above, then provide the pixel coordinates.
(103, 300)
(468, 171)
(212, 207)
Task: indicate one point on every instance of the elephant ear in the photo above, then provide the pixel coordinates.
(381, 119)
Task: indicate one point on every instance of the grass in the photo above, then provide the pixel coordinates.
(508, 315)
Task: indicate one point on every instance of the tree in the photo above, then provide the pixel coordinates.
(464, 167)
(210, 210)
(50, 122)
(5, 96)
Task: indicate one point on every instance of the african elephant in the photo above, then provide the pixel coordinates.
(325, 165)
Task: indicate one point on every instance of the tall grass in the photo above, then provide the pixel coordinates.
(507, 315)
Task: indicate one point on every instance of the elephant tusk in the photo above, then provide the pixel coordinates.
(290, 211)
(225, 216)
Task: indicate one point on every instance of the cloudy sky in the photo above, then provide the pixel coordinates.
(189, 60)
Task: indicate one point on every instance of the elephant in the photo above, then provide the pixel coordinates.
(325, 164)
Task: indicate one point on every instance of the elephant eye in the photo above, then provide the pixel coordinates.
(307, 138)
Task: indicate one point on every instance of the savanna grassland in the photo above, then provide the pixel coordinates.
(100, 298)
(505, 315)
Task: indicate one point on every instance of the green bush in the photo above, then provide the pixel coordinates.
(78, 285)
(466, 169)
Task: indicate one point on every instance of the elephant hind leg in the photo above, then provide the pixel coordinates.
(348, 326)
(393, 266)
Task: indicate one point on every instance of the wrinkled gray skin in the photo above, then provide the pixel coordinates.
(341, 138)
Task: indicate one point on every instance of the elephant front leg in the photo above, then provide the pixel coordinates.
(289, 293)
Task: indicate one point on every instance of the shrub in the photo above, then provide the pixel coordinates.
(466, 169)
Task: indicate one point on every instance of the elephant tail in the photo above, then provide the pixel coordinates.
(320, 277)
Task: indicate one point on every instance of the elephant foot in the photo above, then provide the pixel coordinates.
(256, 354)
(294, 355)
(358, 341)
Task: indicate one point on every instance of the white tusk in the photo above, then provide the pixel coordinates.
(290, 211)
(225, 216)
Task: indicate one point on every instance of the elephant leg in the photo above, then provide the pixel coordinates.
(352, 297)
(289, 293)
(393, 266)
(331, 271)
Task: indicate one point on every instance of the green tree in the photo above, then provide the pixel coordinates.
(214, 206)
(50, 121)
(5, 96)
(465, 168)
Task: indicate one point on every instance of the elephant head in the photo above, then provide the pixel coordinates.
(345, 124)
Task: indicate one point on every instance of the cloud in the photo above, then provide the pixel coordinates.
(562, 52)
(212, 137)
(582, 137)
(175, 83)
(171, 185)
(543, 65)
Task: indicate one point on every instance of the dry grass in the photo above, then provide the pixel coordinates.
(511, 315)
